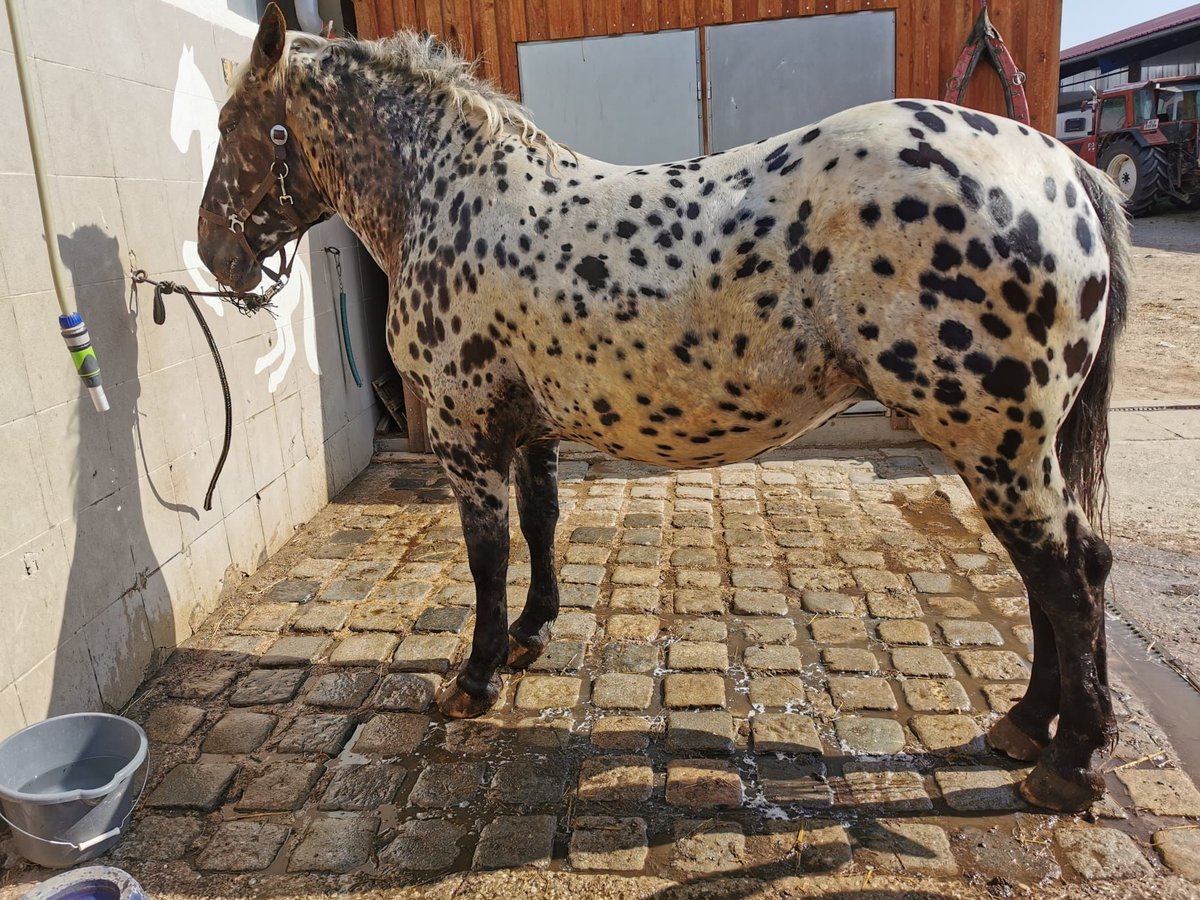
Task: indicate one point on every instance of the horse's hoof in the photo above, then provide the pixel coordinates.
(456, 703)
(1010, 740)
(522, 651)
(1051, 790)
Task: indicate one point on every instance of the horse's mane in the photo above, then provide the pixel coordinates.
(408, 55)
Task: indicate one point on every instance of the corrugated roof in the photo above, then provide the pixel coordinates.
(1133, 33)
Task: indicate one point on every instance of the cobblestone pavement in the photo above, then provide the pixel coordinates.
(760, 671)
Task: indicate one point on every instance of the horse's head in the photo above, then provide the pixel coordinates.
(260, 193)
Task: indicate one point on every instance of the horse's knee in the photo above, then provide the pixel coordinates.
(1097, 561)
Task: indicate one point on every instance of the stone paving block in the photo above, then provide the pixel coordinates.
(1180, 851)
(697, 602)
(407, 692)
(784, 733)
(837, 631)
(643, 576)
(518, 783)
(931, 582)
(682, 691)
(316, 733)
(1003, 697)
(979, 789)
(296, 650)
(709, 846)
(199, 786)
(311, 567)
(759, 603)
(616, 779)
(444, 785)
(155, 839)
(345, 590)
(282, 787)
(887, 787)
(862, 734)
(906, 847)
(627, 627)
(700, 731)
(769, 631)
(878, 580)
(850, 692)
(776, 691)
(952, 607)
(426, 653)
(1102, 853)
(409, 591)
(703, 782)
(443, 618)
(202, 683)
(708, 630)
(239, 732)
(994, 665)
(423, 845)
(593, 535)
(587, 554)
(473, 736)
(577, 574)
(364, 649)
(511, 841)
(267, 617)
(922, 662)
(173, 723)
(574, 626)
(773, 658)
(757, 579)
(698, 655)
(293, 590)
(561, 657)
(965, 633)
(893, 606)
(548, 692)
(786, 781)
(579, 596)
(642, 537)
(933, 695)
(243, 847)
(615, 690)
(361, 788)
(846, 659)
(341, 690)
(608, 843)
(827, 603)
(824, 846)
(904, 632)
(621, 733)
(335, 845)
(322, 618)
(636, 659)
(392, 734)
(948, 734)
(1165, 792)
(645, 599)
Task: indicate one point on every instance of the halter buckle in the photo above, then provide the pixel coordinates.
(279, 135)
(236, 225)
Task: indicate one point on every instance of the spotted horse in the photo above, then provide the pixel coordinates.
(964, 270)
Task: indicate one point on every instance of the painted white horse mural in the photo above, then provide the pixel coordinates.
(194, 112)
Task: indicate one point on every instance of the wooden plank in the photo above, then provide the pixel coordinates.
(429, 13)
(418, 430)
(537, 20)
(404, 14)
(687, 14)
(487, 40)
(459, 30)
(509, 34)
(566, 18)
(648, 16)
(743, 9)
(364, 15)
(668, 15)
(631, 16)
(904, 50)
(595, 22)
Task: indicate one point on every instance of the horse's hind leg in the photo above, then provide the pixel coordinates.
(481, 482)
(537, 503)
(1064, 565)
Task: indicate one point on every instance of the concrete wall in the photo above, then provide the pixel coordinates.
(107, 559)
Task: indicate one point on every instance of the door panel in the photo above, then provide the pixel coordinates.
(771, 77)
(629, 99)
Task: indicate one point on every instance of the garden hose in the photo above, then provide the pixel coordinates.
(337, 261)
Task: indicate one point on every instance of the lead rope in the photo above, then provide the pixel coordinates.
(244, 303)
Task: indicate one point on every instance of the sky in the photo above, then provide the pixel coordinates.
(1085, 20)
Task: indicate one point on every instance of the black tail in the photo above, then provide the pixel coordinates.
(1083, 438)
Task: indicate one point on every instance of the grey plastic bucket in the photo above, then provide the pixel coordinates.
(68, 785)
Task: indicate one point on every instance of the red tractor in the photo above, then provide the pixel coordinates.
(1146, 136)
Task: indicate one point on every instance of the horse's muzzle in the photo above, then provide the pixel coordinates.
(226, 258)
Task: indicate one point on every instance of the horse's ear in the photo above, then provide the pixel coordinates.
(269, 42)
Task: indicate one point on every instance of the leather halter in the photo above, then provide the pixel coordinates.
(278, 172)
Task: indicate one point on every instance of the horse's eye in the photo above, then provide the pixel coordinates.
(228, 127)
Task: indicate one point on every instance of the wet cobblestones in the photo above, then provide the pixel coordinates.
(782, 667)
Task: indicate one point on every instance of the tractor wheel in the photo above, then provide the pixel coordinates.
(1139, 172)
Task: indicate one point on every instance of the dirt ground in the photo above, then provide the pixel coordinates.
(1159, 359)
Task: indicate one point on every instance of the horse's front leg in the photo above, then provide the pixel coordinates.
(537, 504)
(481, 484)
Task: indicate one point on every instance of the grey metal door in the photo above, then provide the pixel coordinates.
(770, 77)
(628, 99)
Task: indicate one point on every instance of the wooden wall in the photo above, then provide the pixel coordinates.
(930, 34)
